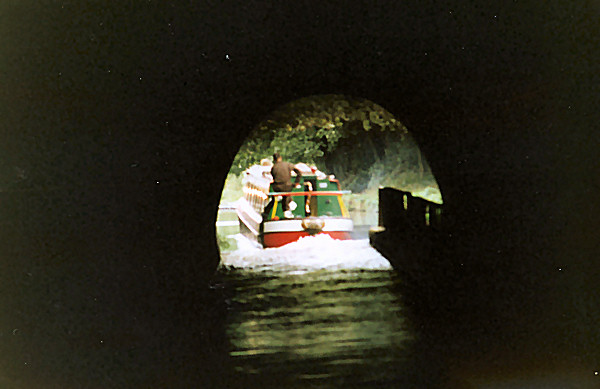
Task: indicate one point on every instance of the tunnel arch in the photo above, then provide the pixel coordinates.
(472, 142)
(124, 142)
(480, 144)
(357, 140)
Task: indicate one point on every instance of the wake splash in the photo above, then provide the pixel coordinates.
(310, 253)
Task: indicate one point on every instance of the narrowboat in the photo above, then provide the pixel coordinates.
(316, 207)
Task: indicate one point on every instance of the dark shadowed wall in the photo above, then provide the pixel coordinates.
(118, 124)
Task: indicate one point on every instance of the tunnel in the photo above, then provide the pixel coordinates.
(119, 125)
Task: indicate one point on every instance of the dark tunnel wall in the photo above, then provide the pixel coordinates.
(119, 124)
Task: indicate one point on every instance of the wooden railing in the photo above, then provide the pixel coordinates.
(401, 210)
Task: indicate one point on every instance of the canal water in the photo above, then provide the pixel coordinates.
(325, 313)
(317, 312)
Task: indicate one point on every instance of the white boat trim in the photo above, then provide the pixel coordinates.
(244, 207)
(295, 225)
(248, 216)
(250, 227)
(227, 223)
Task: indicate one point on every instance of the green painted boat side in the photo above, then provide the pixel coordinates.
(320, 205)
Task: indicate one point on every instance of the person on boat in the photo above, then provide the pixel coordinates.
(282, 180)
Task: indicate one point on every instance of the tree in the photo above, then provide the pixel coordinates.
(356, 139)
(309, 128)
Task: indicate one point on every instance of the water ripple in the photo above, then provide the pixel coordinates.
(319, 312)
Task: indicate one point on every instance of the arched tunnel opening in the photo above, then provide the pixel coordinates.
(355, 141)
(329, 303)
(118, 126)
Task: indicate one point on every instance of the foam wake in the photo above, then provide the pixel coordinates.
(307, 254)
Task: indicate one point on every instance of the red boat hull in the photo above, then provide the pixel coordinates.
(278, 239)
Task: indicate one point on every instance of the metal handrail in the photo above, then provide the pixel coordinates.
(315, 193)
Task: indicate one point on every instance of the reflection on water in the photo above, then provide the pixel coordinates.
(326, 313)
(315, 312)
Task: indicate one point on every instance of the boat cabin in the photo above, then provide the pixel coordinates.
(316, 196)
(316, 208)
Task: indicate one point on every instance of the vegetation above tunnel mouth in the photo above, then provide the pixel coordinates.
(355, 139)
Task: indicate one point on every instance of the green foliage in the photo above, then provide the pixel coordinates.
(223, 243)
(356, 139)
(307, 129)
(232, 188)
